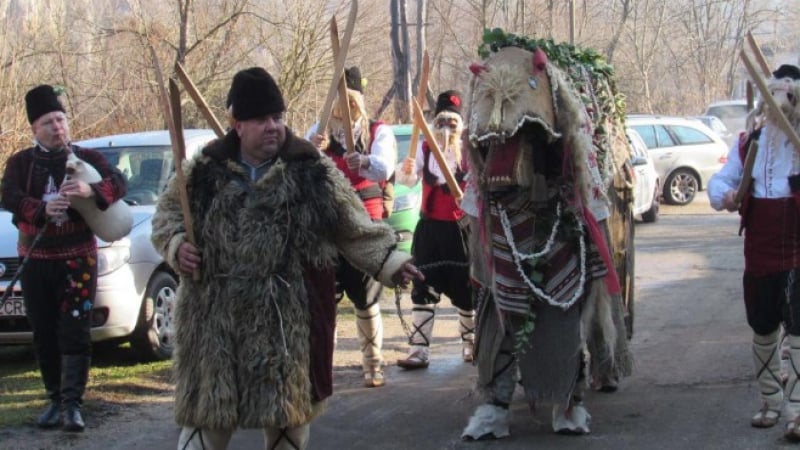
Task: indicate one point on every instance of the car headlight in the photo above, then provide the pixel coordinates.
(112, 258)
(408, 201)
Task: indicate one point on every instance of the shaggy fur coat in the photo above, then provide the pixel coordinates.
(254, 336)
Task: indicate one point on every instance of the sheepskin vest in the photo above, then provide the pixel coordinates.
(254, 339)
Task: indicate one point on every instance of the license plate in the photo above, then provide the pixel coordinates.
(13, 307)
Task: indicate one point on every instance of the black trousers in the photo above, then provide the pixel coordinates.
(442, 246)
(771, 300)
(361, 289)
(59, 296)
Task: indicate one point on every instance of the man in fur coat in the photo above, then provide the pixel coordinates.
(770, 212)
(254, 335)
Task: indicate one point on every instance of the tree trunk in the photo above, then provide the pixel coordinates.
(627, 6)
(400, 61)
(422, 19)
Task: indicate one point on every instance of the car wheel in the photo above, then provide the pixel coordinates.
(651, 215)
(681, 187)
(154, 334)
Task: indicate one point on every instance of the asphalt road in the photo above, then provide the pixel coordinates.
(692, 386)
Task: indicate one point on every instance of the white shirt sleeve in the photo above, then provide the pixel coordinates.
(311, 131)
(726, 179)
(382, 157)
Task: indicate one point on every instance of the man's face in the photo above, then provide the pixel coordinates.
(51, 130)
(261, 137)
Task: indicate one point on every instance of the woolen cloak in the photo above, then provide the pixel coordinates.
(254, 336)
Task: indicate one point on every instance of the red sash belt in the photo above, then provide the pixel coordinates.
(772, 236)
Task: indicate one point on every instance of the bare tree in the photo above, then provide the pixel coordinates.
(401, 87)
(669, 57)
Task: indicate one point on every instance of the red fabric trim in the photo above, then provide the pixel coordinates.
(374, 206)
(598, 238)
(436, 203)
(772, 236)
(320, 287)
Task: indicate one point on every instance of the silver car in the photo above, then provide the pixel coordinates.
(733, 113)
(135, 288)
(685, 152)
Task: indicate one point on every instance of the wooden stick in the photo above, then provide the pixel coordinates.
(172, 111)
(782, 121)
(419, 120)
(177, 154)
(338, 69)
(747, 171)
(344, 102)
(762, 62)
(422, 90)
(747, 164)
(199, 100)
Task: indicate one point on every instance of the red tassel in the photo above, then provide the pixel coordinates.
(539, 61)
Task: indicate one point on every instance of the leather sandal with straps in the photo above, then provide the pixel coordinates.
(374, 378)
(415, 360)
(766, 418)
(792, 431)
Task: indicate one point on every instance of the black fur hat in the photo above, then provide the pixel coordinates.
(352, 78)
(448, 101)
(254, 93)
(41, 100)
(787, 71)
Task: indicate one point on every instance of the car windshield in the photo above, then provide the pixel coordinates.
(728, 111)
(689, 135)
(403, 141)
(146, 170)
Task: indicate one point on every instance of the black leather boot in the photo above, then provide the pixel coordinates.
(50, 368)
(73, 384)
(51, 416)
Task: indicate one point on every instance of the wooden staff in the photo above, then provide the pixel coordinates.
(338, 68)
(419, 120)
(750, 158)
(199, 100)
(782, 121)
(747, 171)
(172, 113)
(344, 102)
(762, 62)
(178, 151)
(422, 90)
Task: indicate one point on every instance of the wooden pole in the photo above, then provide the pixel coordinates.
(782, 121)
(199, 100)
(419, 120)
(178, 156)
(338, 68)
(344, 101)
(422, 91)
(762, 62)
(747, 171)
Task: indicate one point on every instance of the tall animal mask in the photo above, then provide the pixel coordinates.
(512, 88)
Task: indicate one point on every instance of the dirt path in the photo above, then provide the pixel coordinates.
(122, 426)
